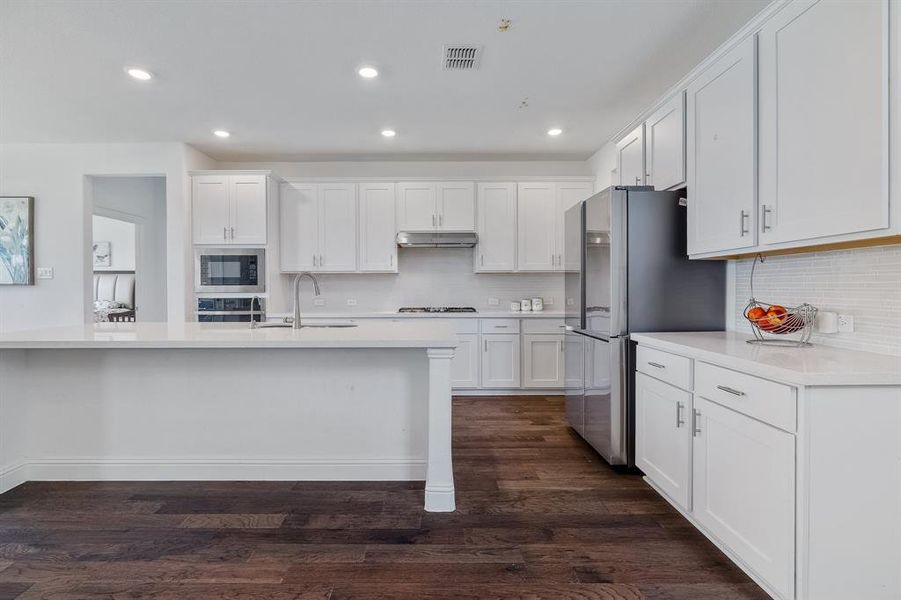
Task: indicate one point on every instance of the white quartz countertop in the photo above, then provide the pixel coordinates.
(810, 366)
(367, 334)
(509, 314)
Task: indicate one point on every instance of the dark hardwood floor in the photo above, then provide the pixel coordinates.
(539, 515)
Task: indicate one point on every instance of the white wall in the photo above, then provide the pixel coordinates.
(141, 200)
(56, 175)
(121, 238)
(601, 163)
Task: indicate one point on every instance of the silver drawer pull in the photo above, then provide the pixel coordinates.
(695, 417)
(657, 365)
(500, 326)
(679, 421)
(729, 390)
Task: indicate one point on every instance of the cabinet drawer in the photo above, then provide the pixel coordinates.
(464, 326)
(500, 325)
(771, 402)
(671, 368)
(535, 325)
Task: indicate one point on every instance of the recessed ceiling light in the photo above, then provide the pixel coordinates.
(221, 133)
(555, 131)
(368, 72)
(389, 132)
(139, 74)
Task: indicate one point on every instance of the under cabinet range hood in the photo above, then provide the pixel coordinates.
(434, 239)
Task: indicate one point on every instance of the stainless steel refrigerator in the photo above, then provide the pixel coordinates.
(633, 276)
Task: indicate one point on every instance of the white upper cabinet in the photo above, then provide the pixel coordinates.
(318, 228)
(630, 158)
(537, 227)
(665, 145)
(378, 248)
(456, 206)
(337, 227)
(416, 206)
(568, 195)
(722, 165)
(824, 125)
(229, 209)
(496, 251)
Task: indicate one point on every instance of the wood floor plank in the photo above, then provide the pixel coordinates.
(539, 515)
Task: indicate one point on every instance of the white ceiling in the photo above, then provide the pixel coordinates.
(281, 75)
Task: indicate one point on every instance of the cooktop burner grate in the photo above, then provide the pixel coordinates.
(437, 309)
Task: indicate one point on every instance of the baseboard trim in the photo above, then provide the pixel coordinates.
(508, 392)
(221, 469)
(13, 476)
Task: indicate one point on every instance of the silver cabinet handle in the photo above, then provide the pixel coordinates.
(440, 220)
(225, 233)
(764, 221)
(314, 261)
(729, 390)
(391, 261)
(637, 180)
(656, 365)
(433, 220)
(486, 345)
(321, 260)
(741, 227)
(679, 421)
(233, 232)
(695, 417)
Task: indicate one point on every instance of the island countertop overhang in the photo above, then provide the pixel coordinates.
(410, 335)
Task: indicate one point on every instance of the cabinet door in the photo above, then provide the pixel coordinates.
(337, 227)
(456, 206)
(536, 227)
(824, 126)
(298, 228)
(665, 144)
(378, 246)
(663, 436)
(500, 361)
(744, 490)
(568, 195)
(416, 206)
(630, 158)
(210, 209)
(542, 361)
(722, 158)
(247, 196)
(465, 365)
(496, 251)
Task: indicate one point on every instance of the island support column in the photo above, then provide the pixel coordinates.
(439, 482)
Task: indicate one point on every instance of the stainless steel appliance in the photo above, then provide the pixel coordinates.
(436, 309)
(220, 270)
(628, 271)
(230, 310)
(436, 239)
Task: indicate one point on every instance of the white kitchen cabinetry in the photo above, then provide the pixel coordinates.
(229, 209)
(665, 145)
(536, 227)
(436, 206)
(318, 227)
(465, 366)
(500, 360)
(496, 250)
(630, 158)
(542, 356)
(722, 157)
(663, 436)
(568, 194)
(378, 229)
(824, 120)
(744, 490)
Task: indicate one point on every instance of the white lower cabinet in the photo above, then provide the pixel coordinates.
(663, 437)
(542, 358)
(744, 490)
(500, 360)
(465, 366)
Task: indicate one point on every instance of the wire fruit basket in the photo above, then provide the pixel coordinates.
(778, 325)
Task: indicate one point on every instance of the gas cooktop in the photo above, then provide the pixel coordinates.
(436, 309)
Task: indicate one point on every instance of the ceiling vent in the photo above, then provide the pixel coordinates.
(459, 57)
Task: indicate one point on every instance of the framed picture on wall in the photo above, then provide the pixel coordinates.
(102, 255)
(16, 240)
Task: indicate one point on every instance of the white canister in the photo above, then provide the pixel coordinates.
(514, 306)
(537, 304)
(525, 304)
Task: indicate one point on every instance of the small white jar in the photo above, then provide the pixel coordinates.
(537, 304)
(525, 305)
(514, 306)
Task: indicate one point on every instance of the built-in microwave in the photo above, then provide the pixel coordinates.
(230, 270)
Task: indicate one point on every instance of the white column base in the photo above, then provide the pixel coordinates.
(440, 500)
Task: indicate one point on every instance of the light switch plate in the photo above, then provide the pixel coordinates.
(845, 323)
(45, 272)
(318, 301)
(351, 301)
(493, 301)
(548, 301)
(570, 302)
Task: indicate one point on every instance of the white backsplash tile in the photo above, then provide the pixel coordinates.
(864, 283)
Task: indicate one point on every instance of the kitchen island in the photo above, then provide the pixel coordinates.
(190, 401)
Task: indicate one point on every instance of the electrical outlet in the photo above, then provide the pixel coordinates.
(351, 301)
(493, 301)
(318, 301)
(548, 301)
(570, 302)
(845, 323)
(45, 272)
